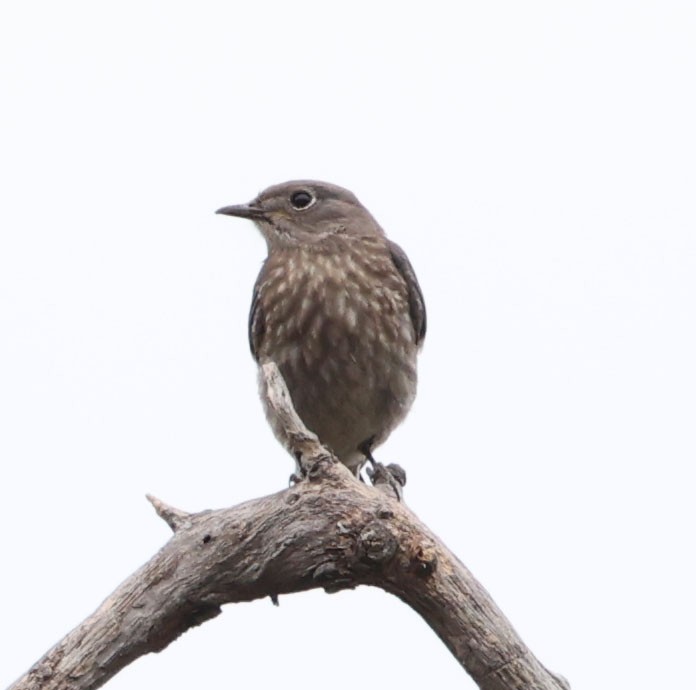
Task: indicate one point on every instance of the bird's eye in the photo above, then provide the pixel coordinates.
(301, 200)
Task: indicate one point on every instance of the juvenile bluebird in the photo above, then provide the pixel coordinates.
(338, 308)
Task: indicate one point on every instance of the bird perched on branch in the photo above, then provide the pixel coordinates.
(338, 308)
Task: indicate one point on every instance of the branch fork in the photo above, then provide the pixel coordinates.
(350, 534)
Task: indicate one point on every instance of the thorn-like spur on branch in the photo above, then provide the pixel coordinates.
(331, 532)
(174, 517)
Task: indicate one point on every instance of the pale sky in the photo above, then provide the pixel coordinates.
(535, 160)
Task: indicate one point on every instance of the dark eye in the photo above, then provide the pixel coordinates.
(301, 200)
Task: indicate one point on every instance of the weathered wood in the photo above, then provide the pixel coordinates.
(329, 531)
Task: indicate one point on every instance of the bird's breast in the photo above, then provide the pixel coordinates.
(335, 302)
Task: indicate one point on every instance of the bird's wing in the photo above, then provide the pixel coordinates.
(416, 302)
(257, 322)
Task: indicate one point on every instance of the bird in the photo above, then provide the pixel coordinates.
(338, 307)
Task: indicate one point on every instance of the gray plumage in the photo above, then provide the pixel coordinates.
(338, 308)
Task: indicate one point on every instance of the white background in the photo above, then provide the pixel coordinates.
(537, 162)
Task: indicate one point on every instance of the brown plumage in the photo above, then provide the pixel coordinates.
(338, 308)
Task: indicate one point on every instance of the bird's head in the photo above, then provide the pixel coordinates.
(306, 212)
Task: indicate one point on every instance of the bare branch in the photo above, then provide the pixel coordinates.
(329, 531)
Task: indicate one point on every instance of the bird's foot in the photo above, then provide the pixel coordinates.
(388, 478)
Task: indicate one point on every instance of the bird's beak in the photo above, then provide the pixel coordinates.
(242, 211)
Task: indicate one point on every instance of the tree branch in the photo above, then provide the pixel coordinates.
(329, 531)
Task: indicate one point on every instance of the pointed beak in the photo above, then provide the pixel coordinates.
(242, 211)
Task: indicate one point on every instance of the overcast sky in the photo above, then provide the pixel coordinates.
(535, 160)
